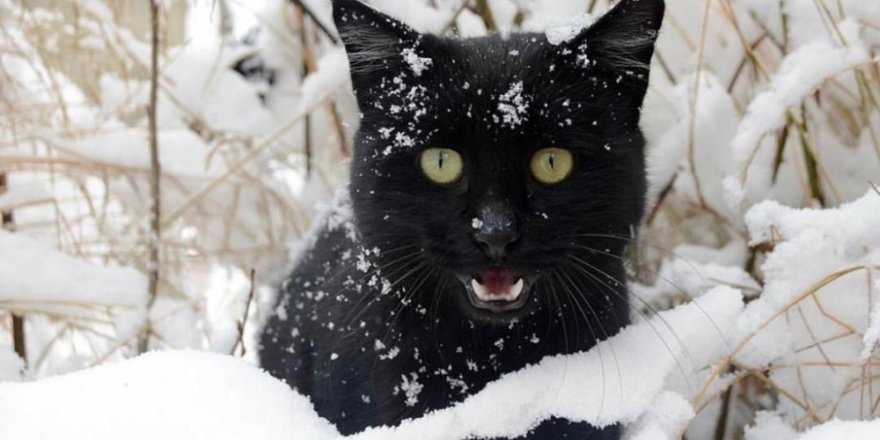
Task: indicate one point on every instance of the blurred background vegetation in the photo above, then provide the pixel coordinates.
(253, 121)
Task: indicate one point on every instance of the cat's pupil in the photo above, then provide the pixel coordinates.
(440, 159)
(551, 160)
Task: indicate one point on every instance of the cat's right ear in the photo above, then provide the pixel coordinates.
(374, 41)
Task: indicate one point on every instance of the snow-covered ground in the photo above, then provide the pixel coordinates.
(764, 142)
(198, 395)
(189, 394)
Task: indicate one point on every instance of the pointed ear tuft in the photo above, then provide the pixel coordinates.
(624, 38)
(374, 41)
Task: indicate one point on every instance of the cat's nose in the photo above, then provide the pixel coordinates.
(495, 229)
(496, 244)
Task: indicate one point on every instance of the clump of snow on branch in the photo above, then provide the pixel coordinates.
(800, 74)
(33, 272)
(818, 286)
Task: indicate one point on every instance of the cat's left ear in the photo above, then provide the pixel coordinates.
(623, 39)
(376, 43)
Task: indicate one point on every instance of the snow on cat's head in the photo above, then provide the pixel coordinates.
(514, 164)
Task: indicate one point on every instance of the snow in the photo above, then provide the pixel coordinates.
(667, 416)
(802, 71)
(23, 195)
(513, 106)
(183, 394)
(733, 218)
(841, 430)
(872, 335)
(181, 152)
(33, 272)
(714, 129)
(809, 246)
(416, 63)
(693, 278)
(770, 426)
(11, 366)
(563, 32)
(169, 395)
(35, 278)
(332, 73)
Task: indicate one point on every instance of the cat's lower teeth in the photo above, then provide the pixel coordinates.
(511, 293)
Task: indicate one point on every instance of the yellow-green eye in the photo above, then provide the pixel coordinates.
(442, 165)
(552, 165)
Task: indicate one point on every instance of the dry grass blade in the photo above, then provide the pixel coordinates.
(244, 318)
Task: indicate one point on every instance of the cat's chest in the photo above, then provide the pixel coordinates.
(404, 375)
(389, 355)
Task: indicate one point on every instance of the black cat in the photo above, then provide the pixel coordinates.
(495, 184)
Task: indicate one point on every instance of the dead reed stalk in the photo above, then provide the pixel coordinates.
(154, 240)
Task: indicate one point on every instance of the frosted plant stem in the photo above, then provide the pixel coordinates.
(307, 11)
(810, 162)
(694, 99)
(153, 241)
(452, 23)
(18, 338)
(308, 66)
(18, 335)
(247, 309)
(485, 12)
(721, 426)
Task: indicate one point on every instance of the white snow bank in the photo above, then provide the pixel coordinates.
(194, 395)
(11, 365)
(162, 395)
(839, 430)
(667, 416)
(31, 271)
(771, 426)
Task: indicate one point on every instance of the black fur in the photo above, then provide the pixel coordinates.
(374, 324)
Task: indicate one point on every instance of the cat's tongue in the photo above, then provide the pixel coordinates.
(497, 284)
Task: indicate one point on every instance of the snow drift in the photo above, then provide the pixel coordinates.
(196, 395)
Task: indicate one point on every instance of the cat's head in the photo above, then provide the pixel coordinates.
(503, 164)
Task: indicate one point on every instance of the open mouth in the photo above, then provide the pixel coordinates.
(497, 290)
